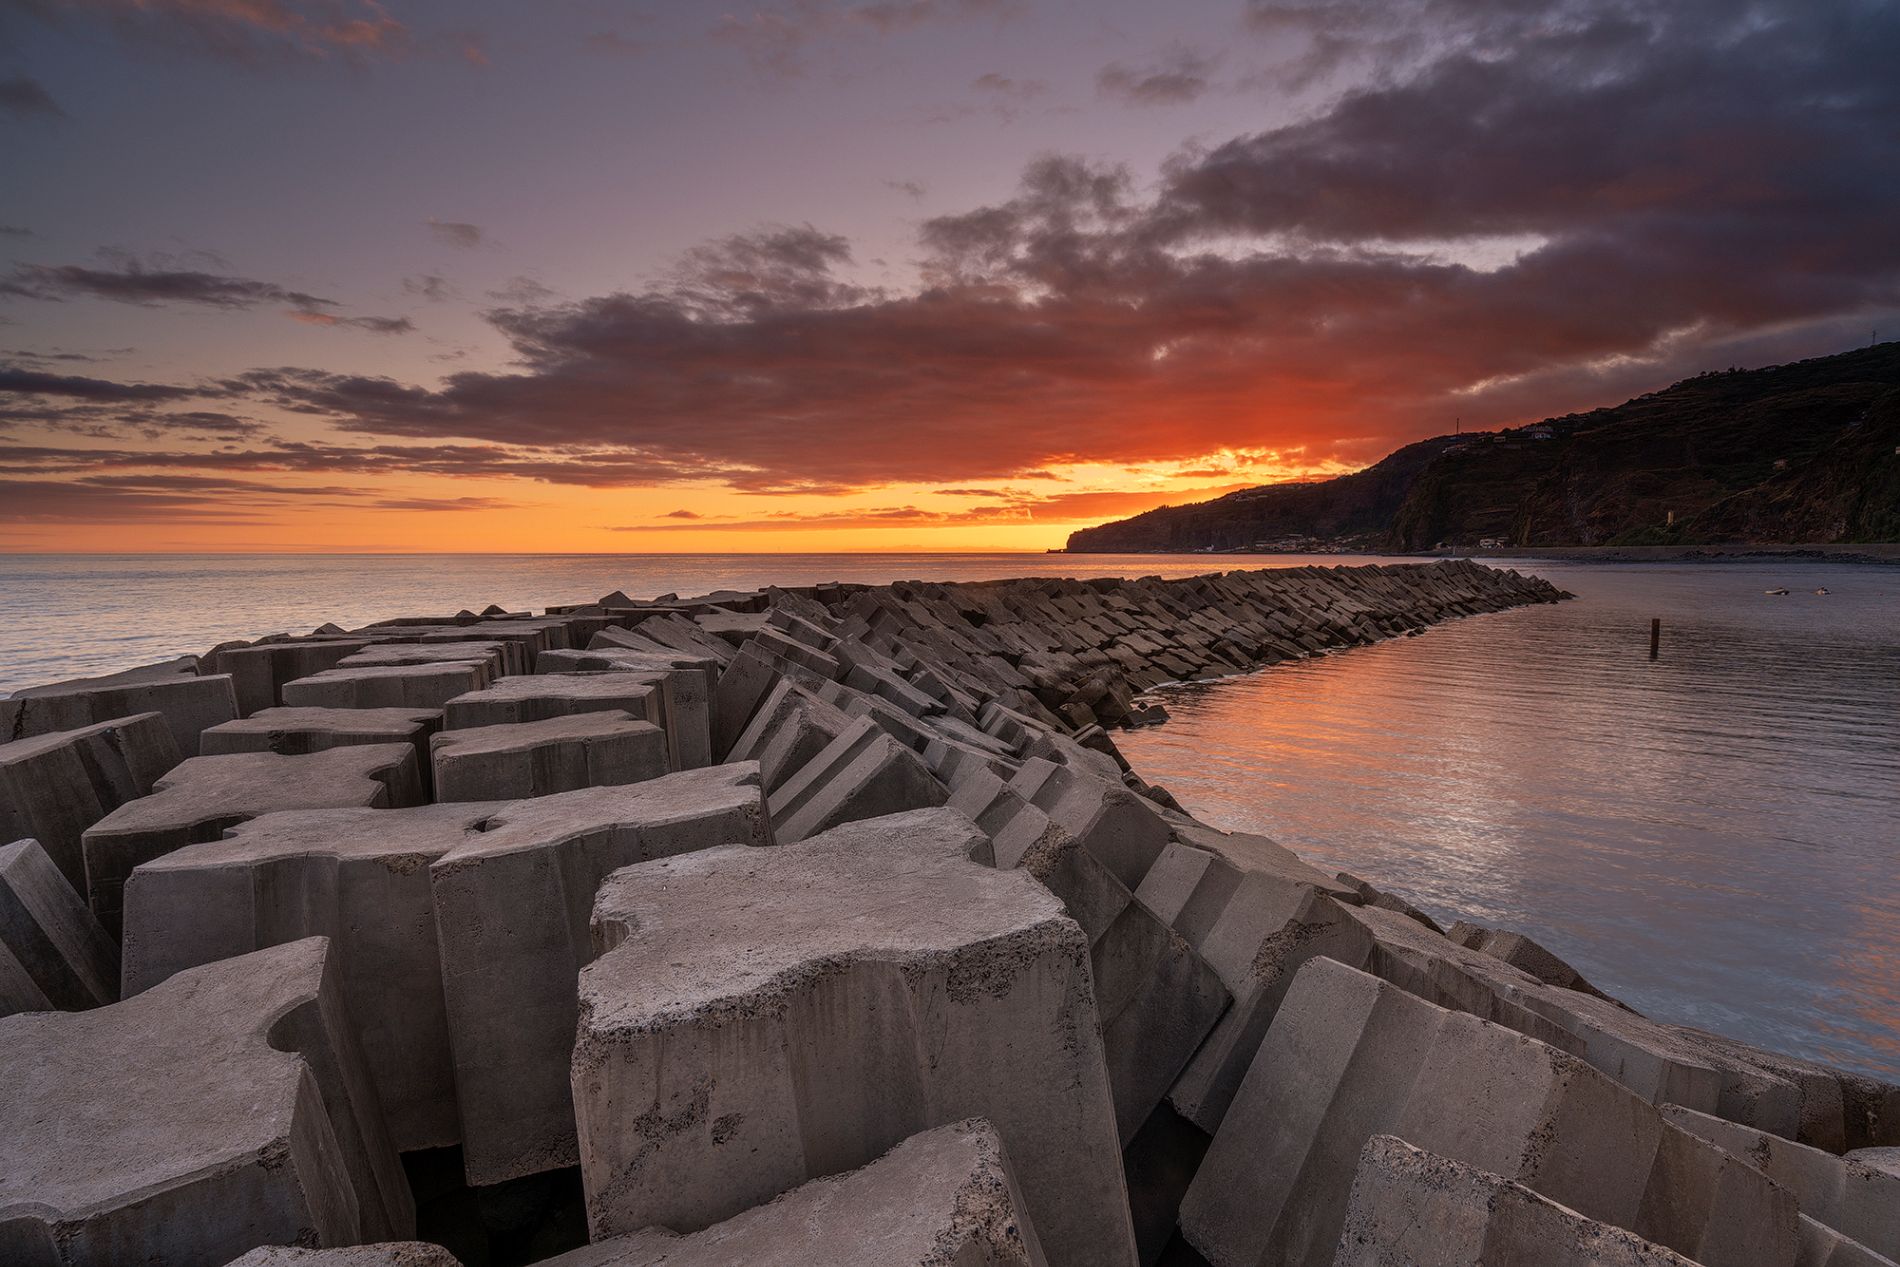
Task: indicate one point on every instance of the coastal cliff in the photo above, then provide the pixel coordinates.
(1800, 453)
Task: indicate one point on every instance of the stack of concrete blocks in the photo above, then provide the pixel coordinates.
(53, 954)
(225, 1109)
(188, 704)
(1411, 1208)
(202, 797)
(740, 990)
(458, 931)
(1350, 1056)
(944, 1196)
(54, 786)
(975, 908)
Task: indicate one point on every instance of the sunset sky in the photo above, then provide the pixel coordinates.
(602, 275)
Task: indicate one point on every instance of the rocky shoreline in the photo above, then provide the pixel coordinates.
(816, 925)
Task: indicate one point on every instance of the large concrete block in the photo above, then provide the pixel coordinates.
(1411, 1208)
(258, 672)
(293, 732)
(863, 773)
(357, 876)
(60, 957)
(1857, 1200)
(540, 696)
(387, 1254)
(382, 655)
(540, 758)
(388, 686)
(760, 1018)
(512, 909)
(203, 796)
(188, 705)
(1117, 826)
(942, 1198)
(685, 687)
(53, 787)
(1350, 1056)
(226, 1109)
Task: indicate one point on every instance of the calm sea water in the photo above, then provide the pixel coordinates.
(1714, 836)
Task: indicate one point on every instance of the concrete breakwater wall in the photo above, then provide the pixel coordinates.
(815, 926)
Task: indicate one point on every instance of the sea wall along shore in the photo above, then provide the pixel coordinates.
(815, 925)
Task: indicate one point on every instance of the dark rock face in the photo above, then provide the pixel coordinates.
(1808, 452)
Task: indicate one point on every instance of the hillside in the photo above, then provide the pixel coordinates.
(1806, 452)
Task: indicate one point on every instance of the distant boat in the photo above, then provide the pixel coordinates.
(1776, 592)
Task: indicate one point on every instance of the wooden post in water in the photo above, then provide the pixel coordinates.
(1655, 637)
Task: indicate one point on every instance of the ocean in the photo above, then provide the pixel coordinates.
(1713, 836)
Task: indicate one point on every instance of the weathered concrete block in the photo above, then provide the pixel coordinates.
(1411, 1208)
(512, 911)
(53, 787)
(357, 876)
(763, 1017)
(500, 657)
(387, 1254)
(942, 1198)
(388, 686)
(56, 946)
(540, 758)
(225, 1109)
(685, 687)
(1522, 953)
(1114, 824)
(258, 672)
(1350, 1056)
(188, 705)
(863, 773)
(201, 797)
(292, 732)
(1856, 1200)
(540, 696)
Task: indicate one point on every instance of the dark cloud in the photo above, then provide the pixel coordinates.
(1180, 77)
(522, 292)
(15, 231)
(430, 286)
(131, 281)
(1005, 86)
(23, 97)
(684, 514)
(34, 383)
(455, 232)
(915, 189)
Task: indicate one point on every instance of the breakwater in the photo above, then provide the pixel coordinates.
(814, 924)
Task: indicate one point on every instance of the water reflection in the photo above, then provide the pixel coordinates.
(1712, 835)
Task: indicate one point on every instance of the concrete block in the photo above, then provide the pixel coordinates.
(1114, 824)
(201, 797)
(388, 686)
(942, 1198)
(226, 1109)
(383, 655)
(1822, 1246)
(1411, 1208)
(1522, 953)
(357, 876)
(387, 1254)
(293, 732)
(512, 911)
(188, 705)
(863, 773)
(53, 787)
(685, 684)
(258, 672)
(761, 1017)
(540, 696)
(1859, 1201)
(53, 941)
(540, 758)
(1350, 1056)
